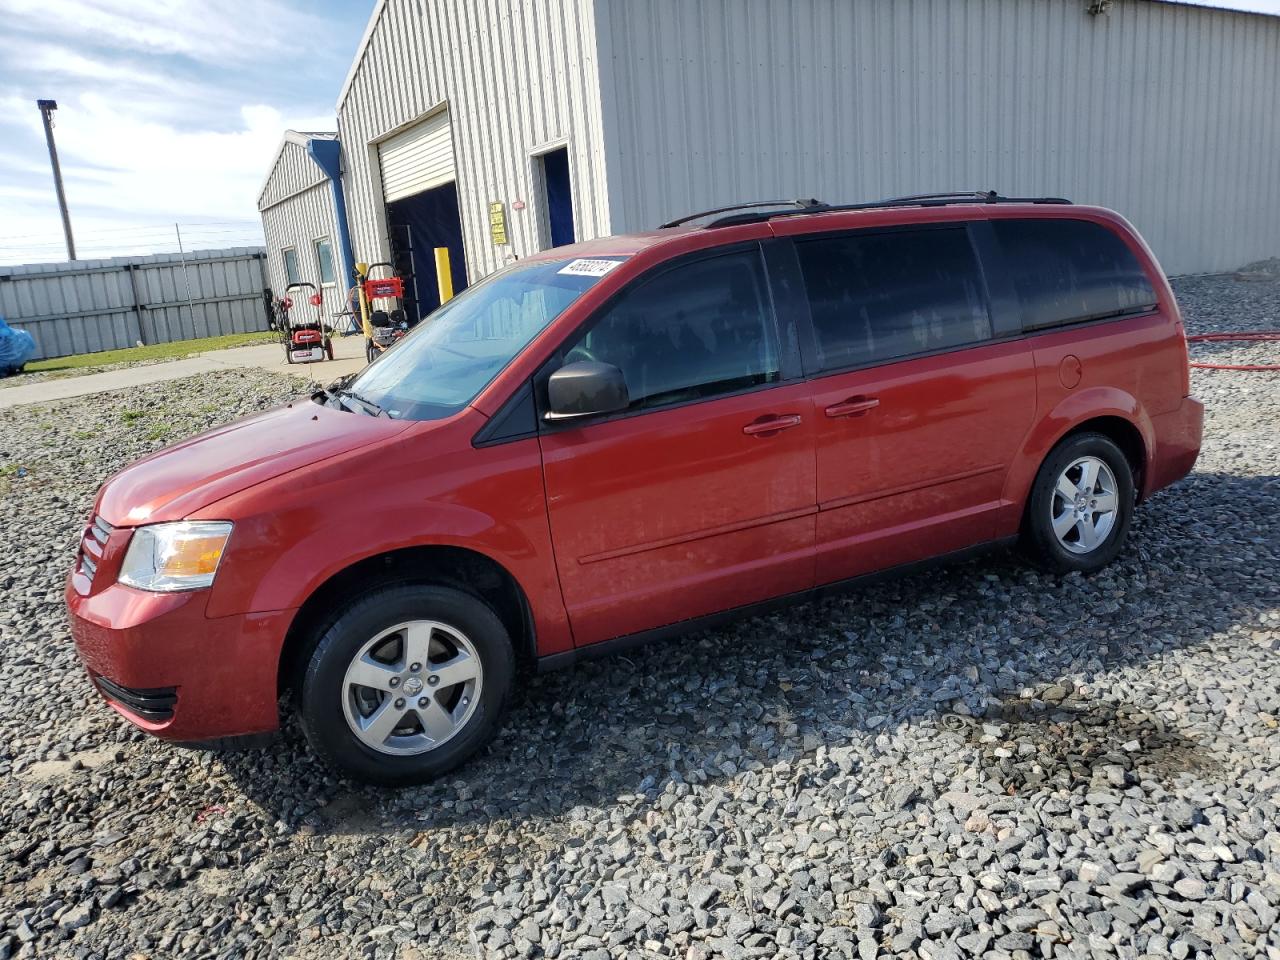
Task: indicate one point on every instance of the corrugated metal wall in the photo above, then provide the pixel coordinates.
(89, 305)
(516, 75)
(1168, 113)
(292, 172)
(297, 208)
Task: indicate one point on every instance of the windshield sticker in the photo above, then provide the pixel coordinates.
(589, 268)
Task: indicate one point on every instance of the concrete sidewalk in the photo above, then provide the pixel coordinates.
(348, 355)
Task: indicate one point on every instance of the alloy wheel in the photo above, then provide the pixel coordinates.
(412, 687)
(1085, 505)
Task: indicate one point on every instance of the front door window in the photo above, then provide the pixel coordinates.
(695, 331)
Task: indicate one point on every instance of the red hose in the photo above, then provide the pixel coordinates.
(1257, 336)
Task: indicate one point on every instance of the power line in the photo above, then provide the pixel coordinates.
(138, 238)
(205, 243)
(128, 247)
(104, 231)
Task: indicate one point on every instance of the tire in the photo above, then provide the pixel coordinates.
(331, 701)
(370, 353)
(1091, 541)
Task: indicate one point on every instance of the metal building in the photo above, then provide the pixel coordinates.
(304, 219)
(504, 127)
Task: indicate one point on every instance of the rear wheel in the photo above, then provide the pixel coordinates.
(406, 684)
(1080, 507)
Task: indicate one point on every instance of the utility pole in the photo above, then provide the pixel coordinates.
(46, 111)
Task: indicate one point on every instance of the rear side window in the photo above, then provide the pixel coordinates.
(878, 296)
(1070, 271)
(694, 331)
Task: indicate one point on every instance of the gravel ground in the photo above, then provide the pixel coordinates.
(981, 761)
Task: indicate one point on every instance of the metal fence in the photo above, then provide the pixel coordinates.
(85, 306)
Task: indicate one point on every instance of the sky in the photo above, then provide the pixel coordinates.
(169, 111)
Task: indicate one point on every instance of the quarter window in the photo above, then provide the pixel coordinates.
(697, 330)
(290, 265)
(1069, 271)
(879, 296)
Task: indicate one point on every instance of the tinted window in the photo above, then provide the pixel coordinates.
(1071, 270)
(878, 296)
(694, 331)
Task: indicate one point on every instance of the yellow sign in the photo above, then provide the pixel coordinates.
(498, 222)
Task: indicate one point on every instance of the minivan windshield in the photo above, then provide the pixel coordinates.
(455, 352)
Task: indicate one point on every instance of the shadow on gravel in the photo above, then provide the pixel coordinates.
(956, 645)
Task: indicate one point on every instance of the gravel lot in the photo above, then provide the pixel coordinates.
(981, 761)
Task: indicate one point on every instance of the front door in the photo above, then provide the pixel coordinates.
(920, 407)
(699, 497)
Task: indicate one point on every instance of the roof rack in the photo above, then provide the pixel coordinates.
(803, 205)
(917, 200)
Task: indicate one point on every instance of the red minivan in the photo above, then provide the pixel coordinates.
(629, 437)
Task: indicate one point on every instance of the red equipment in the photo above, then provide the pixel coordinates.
(384, 287)
(386, 326)
(306, 341)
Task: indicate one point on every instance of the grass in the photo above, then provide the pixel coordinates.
(156, 351)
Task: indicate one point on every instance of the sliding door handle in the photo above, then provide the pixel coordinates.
(770, 424)
(853, 407)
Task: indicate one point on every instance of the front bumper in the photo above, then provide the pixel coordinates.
(1177, 444)
(166, 667)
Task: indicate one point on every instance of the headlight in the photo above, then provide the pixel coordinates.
(169, 557)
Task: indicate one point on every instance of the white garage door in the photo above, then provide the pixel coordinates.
(417, 159)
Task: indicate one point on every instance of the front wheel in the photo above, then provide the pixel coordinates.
(406, 684)
(1080, 506)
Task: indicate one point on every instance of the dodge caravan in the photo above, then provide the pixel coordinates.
(625, 438)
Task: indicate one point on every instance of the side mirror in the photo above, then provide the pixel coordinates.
(585, 388)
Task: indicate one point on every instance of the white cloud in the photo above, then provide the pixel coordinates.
(220, 33)
(168, 110)
(113, 160)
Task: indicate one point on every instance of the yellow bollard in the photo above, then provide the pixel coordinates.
(444, 275)
(362, 271)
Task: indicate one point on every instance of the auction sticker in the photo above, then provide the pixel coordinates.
(589, 268)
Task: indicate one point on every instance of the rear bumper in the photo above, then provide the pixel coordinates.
(167, 668)
(1177, 444)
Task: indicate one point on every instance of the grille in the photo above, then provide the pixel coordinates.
(91, 546)
(151, 703)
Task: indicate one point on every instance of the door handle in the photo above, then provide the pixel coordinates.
(853, 407)
(771, 423)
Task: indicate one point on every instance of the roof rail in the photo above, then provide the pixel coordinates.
(918, 200)
(803, 205)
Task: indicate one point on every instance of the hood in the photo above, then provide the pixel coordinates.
(176, 481)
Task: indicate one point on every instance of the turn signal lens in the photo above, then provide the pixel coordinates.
(169, 557)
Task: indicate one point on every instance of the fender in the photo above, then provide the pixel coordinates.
(292, 535)
(1073, 410)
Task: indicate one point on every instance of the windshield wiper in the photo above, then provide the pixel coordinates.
(369, 405)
